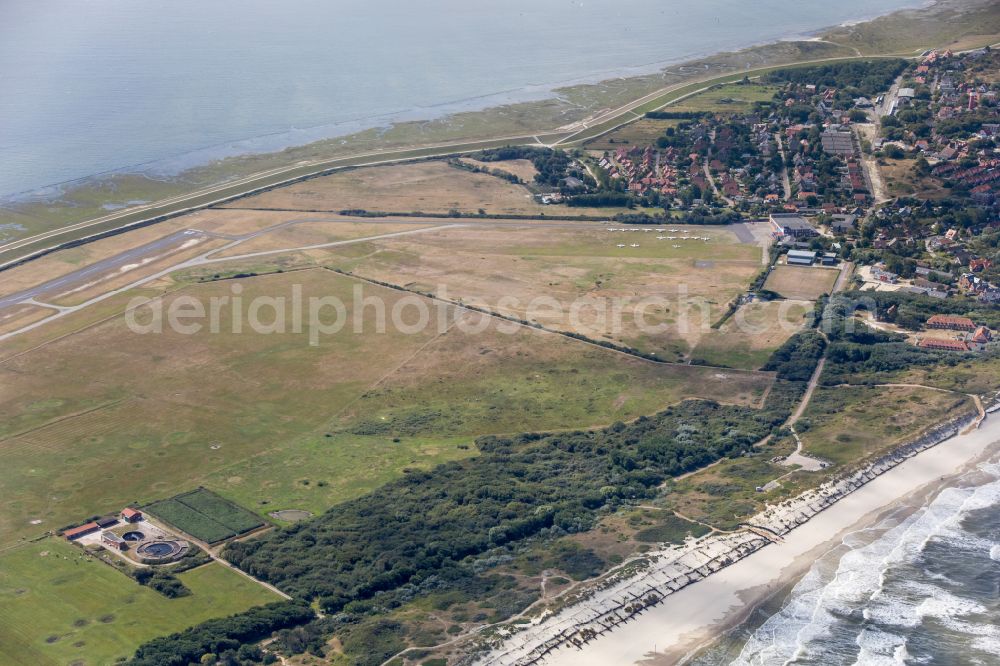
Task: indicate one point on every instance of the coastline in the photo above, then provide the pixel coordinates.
(754, 597)
(730, 578)
(192, 159)
(565, 105)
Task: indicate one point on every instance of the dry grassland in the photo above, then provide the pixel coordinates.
(749, 337)
(316, 231)
(130, 273)
(523, 169)
(16, 316)
(429, 187)
(433, 187)
(640, 133)
(802, 283)
(249, 413)
(849, 424)
(506, 269)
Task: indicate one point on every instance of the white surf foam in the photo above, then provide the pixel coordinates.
(819, 603)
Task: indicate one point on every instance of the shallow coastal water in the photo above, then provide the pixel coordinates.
(103, 85)
(924, 589)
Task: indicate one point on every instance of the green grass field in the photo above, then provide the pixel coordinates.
(726, 98)
(848, 424)
(58, 606)
(640, 133)
(433, 409)
(205, 516)
(247, 415)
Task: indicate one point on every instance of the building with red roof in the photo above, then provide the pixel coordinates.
(951, 322)
(77, 532)
(943, 345)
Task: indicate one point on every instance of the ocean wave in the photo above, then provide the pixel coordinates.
(862, 607)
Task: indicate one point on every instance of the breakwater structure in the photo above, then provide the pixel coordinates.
(633, 587)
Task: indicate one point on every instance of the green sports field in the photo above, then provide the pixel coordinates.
(204, 515)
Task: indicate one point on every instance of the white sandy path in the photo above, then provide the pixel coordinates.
(688, 617)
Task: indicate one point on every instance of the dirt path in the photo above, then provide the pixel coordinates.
(873, 174)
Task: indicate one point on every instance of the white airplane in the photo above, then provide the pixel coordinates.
(610, 229)
(635, 245)
(661, 238)
(621, 244)
(660, 230)
(647, 230)
(671, 237)
(674, 231)
(676, 245)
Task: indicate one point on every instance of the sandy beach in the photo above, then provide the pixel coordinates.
(687, 619)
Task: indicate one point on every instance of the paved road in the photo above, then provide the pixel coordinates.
(79, 277)
(207, 259)
(846, 268)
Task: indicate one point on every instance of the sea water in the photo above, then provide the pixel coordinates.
(95, 86)
(921, 590)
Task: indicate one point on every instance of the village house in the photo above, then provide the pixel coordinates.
(951, 322)
(943, 345)
(979, 338)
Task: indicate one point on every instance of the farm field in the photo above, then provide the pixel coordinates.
(726, 98)
(678, 291)
(168, 411)
(848, 424)
(429, 187)
(801, 282)
(205, 516)
(749, 337)
(58, 606)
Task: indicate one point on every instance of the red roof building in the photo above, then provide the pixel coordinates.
(951, 322)
(976, 265)
(131, 515)
(77, 532)
(943, 345)
(981, 336)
